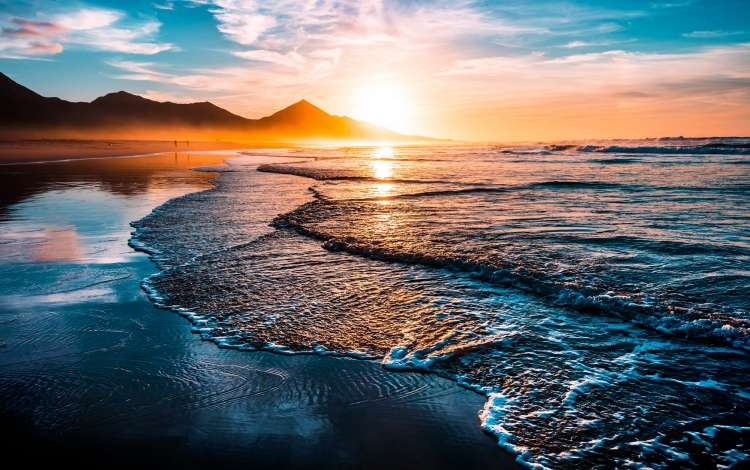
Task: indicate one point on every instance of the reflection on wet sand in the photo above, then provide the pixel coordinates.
(57, 244)
(47, 223)
(122, 176)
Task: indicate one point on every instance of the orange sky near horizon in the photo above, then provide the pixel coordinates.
(591, 96)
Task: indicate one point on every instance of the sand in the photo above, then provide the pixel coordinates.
(16, 151)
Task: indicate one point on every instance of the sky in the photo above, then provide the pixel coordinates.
(475, 70)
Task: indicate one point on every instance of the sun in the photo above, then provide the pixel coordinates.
(383, 104)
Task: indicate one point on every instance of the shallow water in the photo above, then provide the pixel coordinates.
(597, 293)
(92, 373)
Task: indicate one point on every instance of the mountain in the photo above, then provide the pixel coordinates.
(26, 114)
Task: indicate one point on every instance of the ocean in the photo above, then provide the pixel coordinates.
(596, 293)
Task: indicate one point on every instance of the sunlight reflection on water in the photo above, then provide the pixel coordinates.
(385, 151)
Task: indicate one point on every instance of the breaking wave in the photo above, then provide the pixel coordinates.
(697, 319)
(703, 149)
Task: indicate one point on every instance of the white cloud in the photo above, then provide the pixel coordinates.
(28, 38)
(138, 70)
(86, 19)
(242, 20)
(94, 28)
(579, 44)
(667, 5)
(165, 96)
(576, 44)
(167, 5)
(289, 59)
(126, 40)
(711, 34)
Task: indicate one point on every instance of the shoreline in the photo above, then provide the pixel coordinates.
(413, 430)
(19, 152)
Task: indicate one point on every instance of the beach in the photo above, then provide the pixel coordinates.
(20, 151)
(92, 373)
(375, 235)
(359, 307)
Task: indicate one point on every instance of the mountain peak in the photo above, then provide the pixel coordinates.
(300, 111)
(306, 106)
(120, 97)
(12, 91)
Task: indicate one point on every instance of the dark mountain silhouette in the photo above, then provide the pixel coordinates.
(26, 114)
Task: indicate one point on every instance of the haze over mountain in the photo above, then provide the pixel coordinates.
(122, 115)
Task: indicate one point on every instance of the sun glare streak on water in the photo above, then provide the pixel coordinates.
(385, 151)
(382, 169)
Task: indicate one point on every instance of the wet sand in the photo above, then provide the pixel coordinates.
(19, 151)
(92, 374)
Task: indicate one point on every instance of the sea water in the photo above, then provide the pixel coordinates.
(596, 293)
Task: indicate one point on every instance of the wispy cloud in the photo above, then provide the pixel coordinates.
(711, 34)
(23, 37)
(87, 19)
(289, 59)
(613, 77)
(242, 22)
(609, 68)
(165, 96)
(94, 28)
(668, 5)
(167, 5)
(289, 32)
(580, 44)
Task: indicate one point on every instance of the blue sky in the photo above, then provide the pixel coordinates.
(479, 69)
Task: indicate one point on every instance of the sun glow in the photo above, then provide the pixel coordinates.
(383, 104)
(382, 169)
(384, 151)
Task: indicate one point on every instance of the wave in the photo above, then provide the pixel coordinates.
(437, 193)
(337, 175)
(561, 147)
(328, 175)
(614, 161)
(567, 185)
(543, 151)
(480, 187)
(655, 313)
(580, 184)
(703, 149)
(670, 247)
